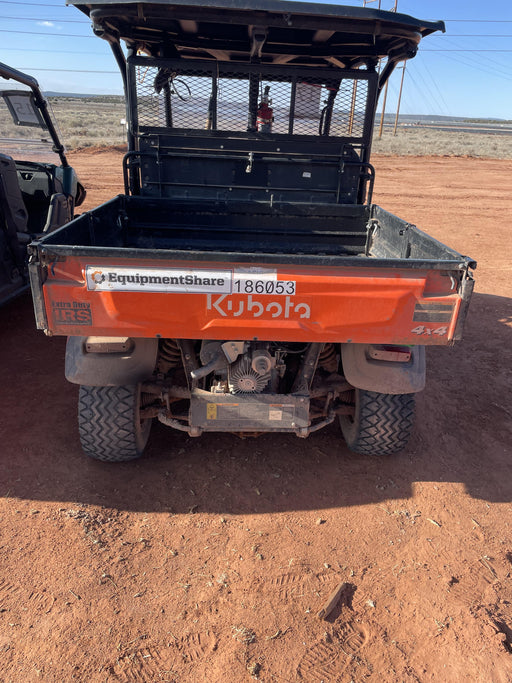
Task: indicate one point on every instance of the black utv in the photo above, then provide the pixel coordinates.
(38, 192)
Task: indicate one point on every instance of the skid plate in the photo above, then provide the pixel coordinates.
(248, 412)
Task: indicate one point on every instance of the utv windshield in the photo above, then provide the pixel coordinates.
(23, 132)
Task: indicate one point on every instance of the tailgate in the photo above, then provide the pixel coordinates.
(365, 301)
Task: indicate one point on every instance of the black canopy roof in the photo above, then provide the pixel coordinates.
(270, 31)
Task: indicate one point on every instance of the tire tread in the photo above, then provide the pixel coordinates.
(107, 423)
(385, 423)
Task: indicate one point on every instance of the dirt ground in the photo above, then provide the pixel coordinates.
(209, 559)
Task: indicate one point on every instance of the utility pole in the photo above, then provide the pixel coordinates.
(399, 97)
(393, 9)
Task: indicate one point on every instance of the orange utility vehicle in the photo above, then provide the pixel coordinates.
(245, 282)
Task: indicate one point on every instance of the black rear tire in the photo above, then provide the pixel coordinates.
(382, 423)
(109, 423)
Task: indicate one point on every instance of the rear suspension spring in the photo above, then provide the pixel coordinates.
(169, 356)
(327, 359)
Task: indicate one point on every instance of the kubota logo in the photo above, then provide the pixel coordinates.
(227, 306)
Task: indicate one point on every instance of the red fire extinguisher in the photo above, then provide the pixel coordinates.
(265, 113)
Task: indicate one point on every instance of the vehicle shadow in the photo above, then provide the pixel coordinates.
(463, 434)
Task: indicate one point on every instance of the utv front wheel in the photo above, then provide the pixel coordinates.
(381, 425)
(109, 423)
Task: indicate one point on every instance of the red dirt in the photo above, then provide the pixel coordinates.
(209, 559)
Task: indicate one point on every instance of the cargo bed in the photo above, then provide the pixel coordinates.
(360, 273)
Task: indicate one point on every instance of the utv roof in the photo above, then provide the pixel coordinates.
(270, 31)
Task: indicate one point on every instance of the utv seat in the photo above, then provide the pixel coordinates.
(12, 205)
(14, 235)
(38, 185)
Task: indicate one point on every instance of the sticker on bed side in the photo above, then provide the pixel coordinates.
(72, 312)
(184, 280)
(257, 280)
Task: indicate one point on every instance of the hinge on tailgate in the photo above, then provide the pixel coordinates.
(465, 291)
(37, 276)
(47, 259)
(372, 227)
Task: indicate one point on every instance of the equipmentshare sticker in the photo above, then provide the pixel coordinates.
(254, 280)
(121, 279)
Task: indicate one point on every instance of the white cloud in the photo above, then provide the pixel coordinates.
(46, 23)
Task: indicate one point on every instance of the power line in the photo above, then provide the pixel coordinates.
(496, 62)
(483, 68)
(460, 50)
(476, 68)
(421, 63)
(74, 71)
(483, 21)
(61, 52)
(54, 35)
(480, 60)
(477, 63)
(57, 21)
(419, 90)
(472, 35)
(426, 91)
(36, 4)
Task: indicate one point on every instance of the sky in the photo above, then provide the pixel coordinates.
(465, 72)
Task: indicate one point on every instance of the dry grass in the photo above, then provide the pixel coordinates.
(424, 141)
(87, 122)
